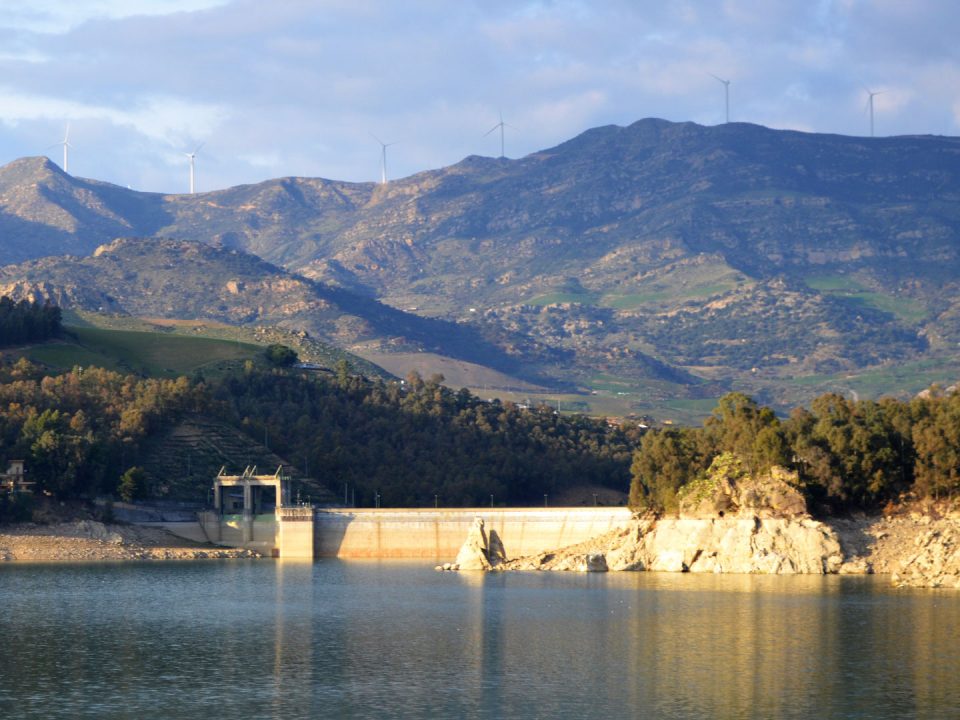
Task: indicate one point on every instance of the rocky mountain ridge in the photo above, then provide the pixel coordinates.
(668, 256)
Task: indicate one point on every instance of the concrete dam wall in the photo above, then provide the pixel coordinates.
(437, 534)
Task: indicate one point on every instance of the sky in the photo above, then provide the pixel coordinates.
(313, 87)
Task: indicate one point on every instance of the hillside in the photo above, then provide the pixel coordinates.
(173, 279)
(669, 259)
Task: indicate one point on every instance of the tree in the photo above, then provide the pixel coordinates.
(133, 484)
(739, 425)
(280, 355)
(665, 461)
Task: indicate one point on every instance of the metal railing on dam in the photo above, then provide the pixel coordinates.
(438, 533)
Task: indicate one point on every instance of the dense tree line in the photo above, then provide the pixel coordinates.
(848, 454)
(26, 321)
(418, 442)
(79, 431)
(82, 432)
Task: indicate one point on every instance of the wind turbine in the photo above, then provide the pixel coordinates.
(500, 125)
(870, 96)
(66, 145)
(383, 158)
(192, 156)
(726, 94)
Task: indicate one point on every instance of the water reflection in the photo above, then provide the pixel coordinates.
(294, 640)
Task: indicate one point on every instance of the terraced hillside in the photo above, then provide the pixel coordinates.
(183, 461)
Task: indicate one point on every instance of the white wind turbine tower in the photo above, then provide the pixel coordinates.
(66, 145)
(383, 158)
(499, 126)
(870, 96)
(726, 94)
(192, 156)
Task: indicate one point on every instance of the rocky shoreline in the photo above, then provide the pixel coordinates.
(93, 541)
(913, 549)
(735, 523)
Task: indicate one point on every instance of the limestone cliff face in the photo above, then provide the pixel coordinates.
(729, 545)
(729, 522)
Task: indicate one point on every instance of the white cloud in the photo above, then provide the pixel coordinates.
(296, 87)
(59, 16)
(165, 119)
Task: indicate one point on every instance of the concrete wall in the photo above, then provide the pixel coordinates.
(438, 534)
(413, 534)
(258, 533)
(296, 540)
(189, 530)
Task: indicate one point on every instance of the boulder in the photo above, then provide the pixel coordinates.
(473, 552)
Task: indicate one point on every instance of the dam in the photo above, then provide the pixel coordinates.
(254, 511)
(431, 533)
(398, 533)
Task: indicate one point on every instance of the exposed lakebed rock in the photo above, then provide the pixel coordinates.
(728, 544)
(732, 523)
(729, 522)
(92, 541)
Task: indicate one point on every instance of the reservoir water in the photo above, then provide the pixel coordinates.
(263, 639)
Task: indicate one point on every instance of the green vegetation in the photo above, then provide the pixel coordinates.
(78, 431)
(847, 454)
(834, 283)
(905, 309)
(146, 353)
(558, 298)
(25, 321)
(280, 355)
(133, 484)
(249, 339)
(677, 284)
(84, 433)
(417, 441)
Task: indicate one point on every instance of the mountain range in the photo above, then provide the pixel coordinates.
(665, 259)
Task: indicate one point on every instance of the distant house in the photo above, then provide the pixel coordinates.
(14, 479)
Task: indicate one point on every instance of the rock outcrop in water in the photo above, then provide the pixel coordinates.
(733, 523)
(478, 552)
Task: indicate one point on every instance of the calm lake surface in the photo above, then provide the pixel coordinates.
(264, 639)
